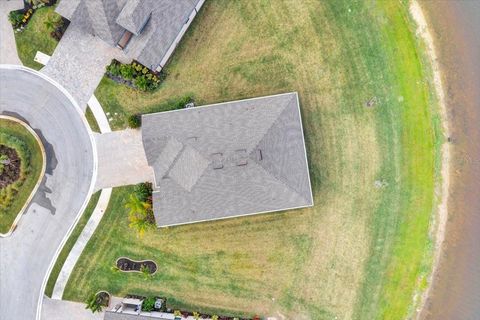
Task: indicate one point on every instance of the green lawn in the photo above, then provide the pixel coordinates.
(14, 196)
(70, 243)
(364, 250)
(36, 37)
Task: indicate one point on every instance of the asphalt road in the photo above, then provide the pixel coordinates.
(455, 294)
(25, 257)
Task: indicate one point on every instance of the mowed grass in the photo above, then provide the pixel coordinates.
(30, 173)
(364, 250)
(36, 37)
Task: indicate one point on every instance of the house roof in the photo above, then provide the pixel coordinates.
(95, 16)
(135, 15)
(167, 19)
(155, 23)
(228, 159)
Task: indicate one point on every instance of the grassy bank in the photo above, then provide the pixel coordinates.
(363, 251)
(70, 243)
(36, 37)
(14, 196)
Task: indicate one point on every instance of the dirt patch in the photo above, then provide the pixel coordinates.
(10, 166)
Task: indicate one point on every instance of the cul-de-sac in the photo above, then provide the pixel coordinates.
(239, 160)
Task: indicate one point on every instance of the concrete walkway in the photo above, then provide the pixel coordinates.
(121, 159)
(8, 47)
(82, 241)
(99, 115)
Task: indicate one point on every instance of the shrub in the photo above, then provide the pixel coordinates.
(113, 68)
(143, 191)
(15, 17)
(141, 82)
(134, 121)
(148, 304)
(126, 70)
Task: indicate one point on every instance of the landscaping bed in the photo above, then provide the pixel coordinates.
(134, 75)
(21, 165)
(129, 265)
(37, 36)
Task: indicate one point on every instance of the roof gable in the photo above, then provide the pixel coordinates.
(134, 15)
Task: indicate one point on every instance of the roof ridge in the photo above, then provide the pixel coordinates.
(255, 144)
(279, 178)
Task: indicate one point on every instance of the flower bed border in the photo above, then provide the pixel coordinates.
(136, 261)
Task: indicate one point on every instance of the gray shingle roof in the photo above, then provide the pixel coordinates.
(135, 14)
(96, 17)
(155, 23)
(229, 159)
(168, 18)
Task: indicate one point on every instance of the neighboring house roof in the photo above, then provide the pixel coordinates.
(228, 159)
(135, 15)
(95, 16)
(167, 19)
(154, 23)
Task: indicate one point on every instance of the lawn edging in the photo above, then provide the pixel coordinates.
(40, 178)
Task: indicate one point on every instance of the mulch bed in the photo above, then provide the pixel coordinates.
(11, 167)
(125, 264)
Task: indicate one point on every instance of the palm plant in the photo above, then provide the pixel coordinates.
(51, 23)
(138, 214)
(93, 303)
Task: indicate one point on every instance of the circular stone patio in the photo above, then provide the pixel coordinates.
(28, 254)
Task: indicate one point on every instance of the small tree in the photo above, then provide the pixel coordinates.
(196, 315)
(214, 317)
(93, 303)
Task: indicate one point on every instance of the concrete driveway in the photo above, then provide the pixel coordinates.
(121, 159)
(79, 63)
(27, 255)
